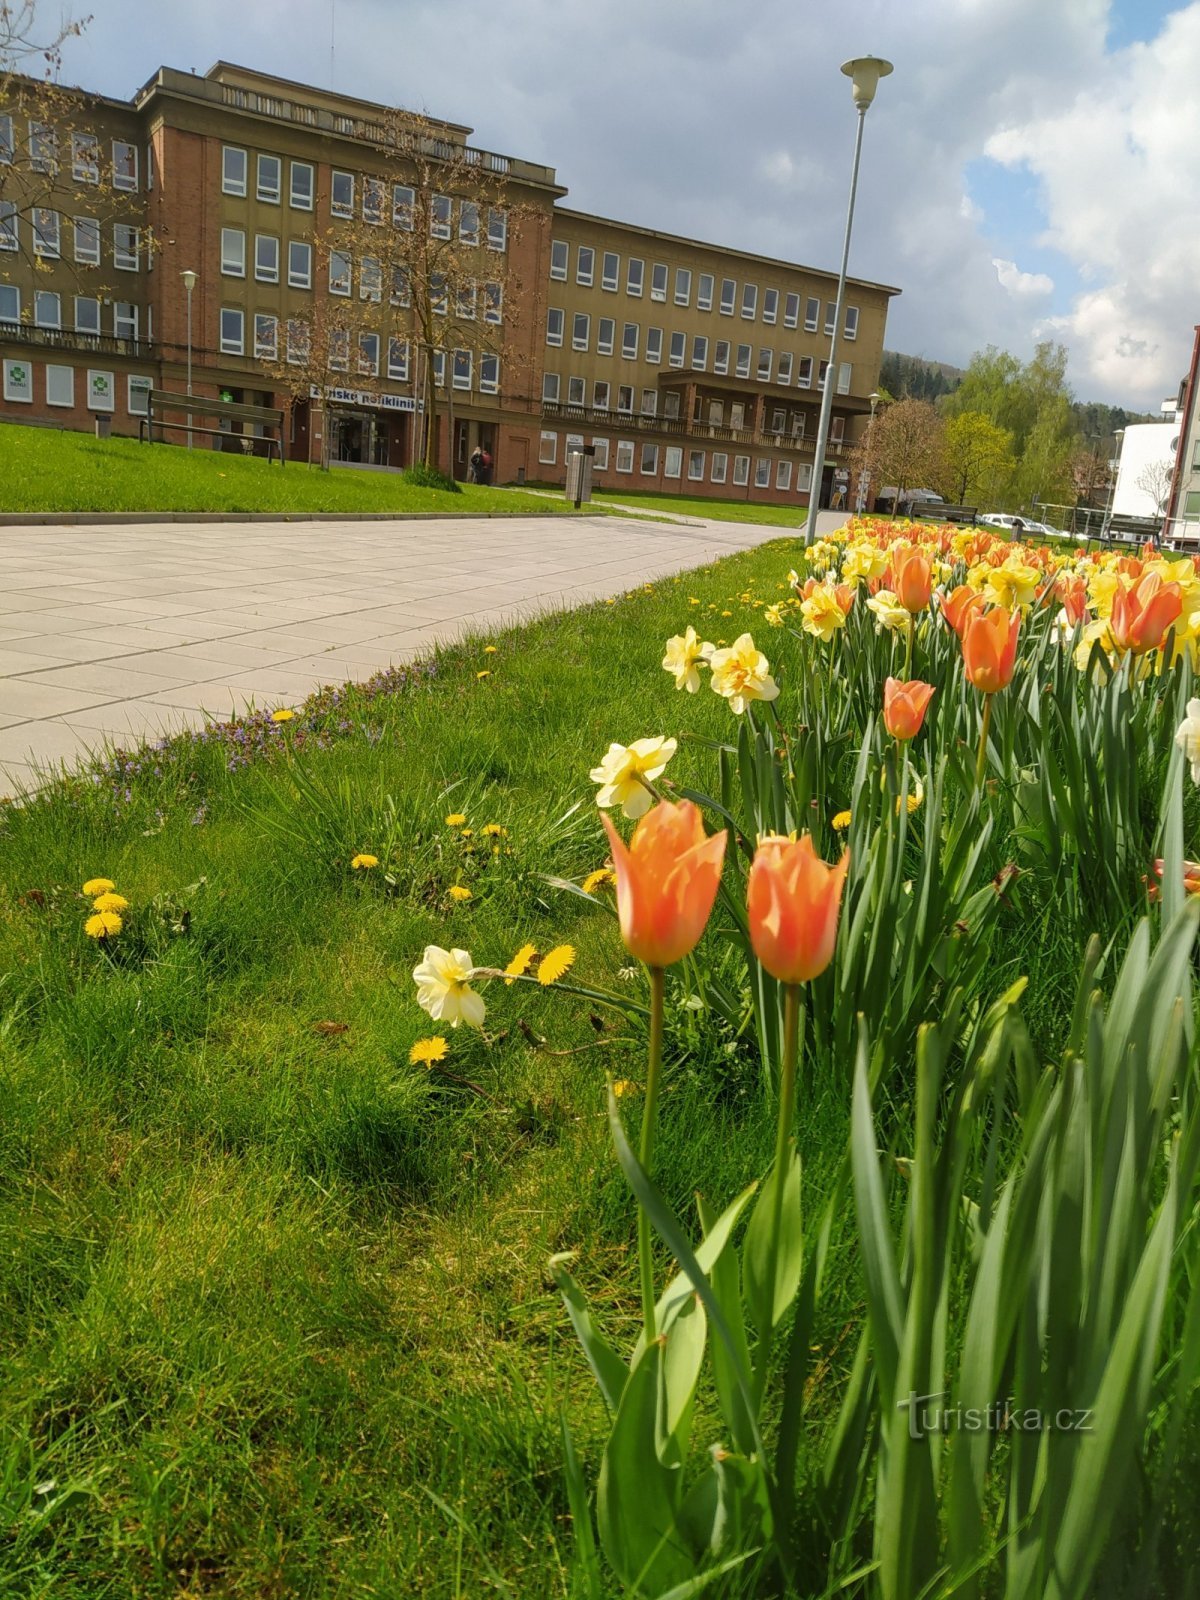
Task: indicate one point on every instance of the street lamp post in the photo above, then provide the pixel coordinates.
(189, 283)
(864, 73)
(864, 477)
(1114, 468)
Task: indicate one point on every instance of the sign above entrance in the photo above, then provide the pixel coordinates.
(363, 397)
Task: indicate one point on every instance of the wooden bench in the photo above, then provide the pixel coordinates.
(161, 401)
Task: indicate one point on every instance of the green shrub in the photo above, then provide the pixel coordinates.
(425, 477)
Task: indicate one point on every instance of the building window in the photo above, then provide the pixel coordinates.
(468, 222)
(43, 147)
(497, 228)
(339, 349)
(624, 455)
(47, 309)
(489, 374)
(678, 349)
(46, 240)
(87, 241)
(683, 286)
(830, 315)
(744, 353)
(125, 165)
(404, 203)
(1191, 500)
(573, 441)
(837, 430)
(266, 336)
(720, 465)
(233, 331)
(233, 253)
(625, 398)
(728, 296)
(784, 372)
(299, 264)
(440, 215)
(658, 281)
(770, 305)
(749, 301)
(300, 186)
(576, 392)
(606, 334)
(600, 459)
(368, 355)
(401, 294)
(649, 464)
(821, 371)
(398, 359)
(699, 353)
(233, 170)
(370, 280)
(762, 473)
(270, 179)
(635, 277)
(266, 258)
(560, 252)
(851, 324)
(548, 449)
(721, 356)
(610, 271)
(654, 345)
(340, 279)
(812, 313)
(765, 360)
(600, 395)
(804, 372)
(298, 341)
(341, 194)
(125, 247)
(797, 424)
(649, 402)
(695, 465)
(18, 381)
(125, 319)
(87, 314)
(803, 477)
(6, 141)
(673, 461)
(439, 369)
(845, 371)
(439, 298)
(8, 225)
(85, 158)
(493, 302)
(791, 310)
(778, 419)
(783, 475)
(581, 331)
(629, 341)
(585, 265)
(741, 470)
(137, 395)
(554, 325)
(550, 388)
(704, 291)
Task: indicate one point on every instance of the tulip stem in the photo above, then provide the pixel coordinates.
(908, 646)
(646, 1144)
(981, 758)
(783, 1137)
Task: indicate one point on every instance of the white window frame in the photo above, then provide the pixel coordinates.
(93, 327)
(581, 331)
(683, 286)
(762, 472)
(270, 196)
(673, 461)
(654, 346)
(600, 456)
(54, 310)
(783, 369)
(560, 259)
(704, 297)
(299, 200)
(610, 280)
(233, 252)
(125, 166)
(497, 236)
(370, 279)
(766, 364)
(463, 369)
(125, 256)
(649, 402)
(441, 216)
(344, 207)
(721, 362)
(783, 475)
(741, 471)
(126, 320)
(298, 280)
(47, 240)
(850, 324)
(87, 241)
(404, 206)
(266, 264)
(742, 363)
(649, 455)
(585, 275)
(625, 399)
(804, 372)
(10, 226)
(136, 383)
(699, 352)
(6, 140)
(555, 322)
(577, 392)
(845, 377)
(677, 349)
(830, 316)
(85, 158)
(804, 477)
(551, 388)
(791, 309)
(695, 469)
(770, 307)
(489, 373)
(749, 301)
(547, 448)
(230, 182)
(43, 147)
(229, 345)
(660, 275)
(718, 474)
(341, 274)
(635, 281)
(369, 351)
(297, 341)
(397, 359)
(625, 454)
(812, 313)
(266, 336)
(601, 394)
(728, 304)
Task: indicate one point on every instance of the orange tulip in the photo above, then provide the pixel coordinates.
(1074, 596)
(904, 706)
(989, 646)
(961, 605)
(844, 595)
(1142, 616)
(667, 880)
(792, 898)
(912, 578)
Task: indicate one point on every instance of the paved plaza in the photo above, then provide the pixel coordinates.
(123, 633)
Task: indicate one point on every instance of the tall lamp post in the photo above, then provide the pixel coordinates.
(864, 73)
(1114, 470)
(189, 283)
(864, 477)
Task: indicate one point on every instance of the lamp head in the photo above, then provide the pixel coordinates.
(864, 73)
(189, 279)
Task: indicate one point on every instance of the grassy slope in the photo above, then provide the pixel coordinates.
(41, 470)
(718, 510)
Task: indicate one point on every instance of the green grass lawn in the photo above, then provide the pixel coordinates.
(718, 510)
(43, 470)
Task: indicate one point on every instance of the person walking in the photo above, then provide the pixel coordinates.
(485, 465)
(475, 469)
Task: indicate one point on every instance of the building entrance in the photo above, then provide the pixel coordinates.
(359, 438)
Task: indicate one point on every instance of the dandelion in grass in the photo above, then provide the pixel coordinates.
(282, 715)
(426, 1051)
(456, 819)
(103, 925)
(363, 862)
(484, 674)
(443, 980)
(624, 1087)
(489, 649)
(626, 771)
(493, 830)
(460, 892)
(95, 886)
(597, 879)
(841, 822)
(519, 965)
(555, 964)
(110, 902)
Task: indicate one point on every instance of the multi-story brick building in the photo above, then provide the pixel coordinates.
(689, 366)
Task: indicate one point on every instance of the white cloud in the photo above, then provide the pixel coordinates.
(1010, 277)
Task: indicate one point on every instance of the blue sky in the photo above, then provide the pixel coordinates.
(1027, 171)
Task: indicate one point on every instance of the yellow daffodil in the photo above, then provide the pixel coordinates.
(822, 614)
(863, 561)
(110, 902)
(773, 615)
(684, 654)
(444, 990)
(888, 612)
(363, 861)
(96, 886)
(742, 673)
(555, 964)
(622, 770)
(519, 964)
(1013, 585)
(103, 925)
(460, 892)
(594, 880)
(426, 1051)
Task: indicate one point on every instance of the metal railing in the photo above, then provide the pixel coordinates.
(679, 427)
(65, 339)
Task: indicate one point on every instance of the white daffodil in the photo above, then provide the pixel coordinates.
(684, 654)
(889, 613)
(742, 673)
(621, 771)
(443, 987)
(1187, 737)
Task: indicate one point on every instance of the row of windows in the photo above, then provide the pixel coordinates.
(699, 465)
(86, 154)
(705, 286)
(781, 367)
(100, 388)
(48, 312)
(369, 355)
(47, 232)
(344, 188)
(712, 411)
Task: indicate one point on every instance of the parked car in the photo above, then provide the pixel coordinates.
(911, 498)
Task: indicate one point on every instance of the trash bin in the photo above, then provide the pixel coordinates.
(103, 425)
(521, 474)
(579, 474)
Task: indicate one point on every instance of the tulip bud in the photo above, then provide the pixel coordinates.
(667, 880)
(793, 899)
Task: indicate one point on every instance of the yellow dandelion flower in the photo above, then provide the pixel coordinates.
(98, 886)
(840, 822)
(556, 964)
(456, 819)
(467, 833)
(594, 880)
(460, 892)
(623, 1087)
(489, 649)
(519, 964)
(426, 1051)
(484, 674)
(362, 860)
(110, 902)
(493, 830)
(103, 925)
(282, 715)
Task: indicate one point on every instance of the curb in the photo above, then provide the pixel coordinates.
(31, 519)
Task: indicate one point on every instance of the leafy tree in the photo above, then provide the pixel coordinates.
(979, 459)
(904, 447)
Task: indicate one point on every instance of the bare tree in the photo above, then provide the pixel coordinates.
(904, 446)
(1155, 480)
